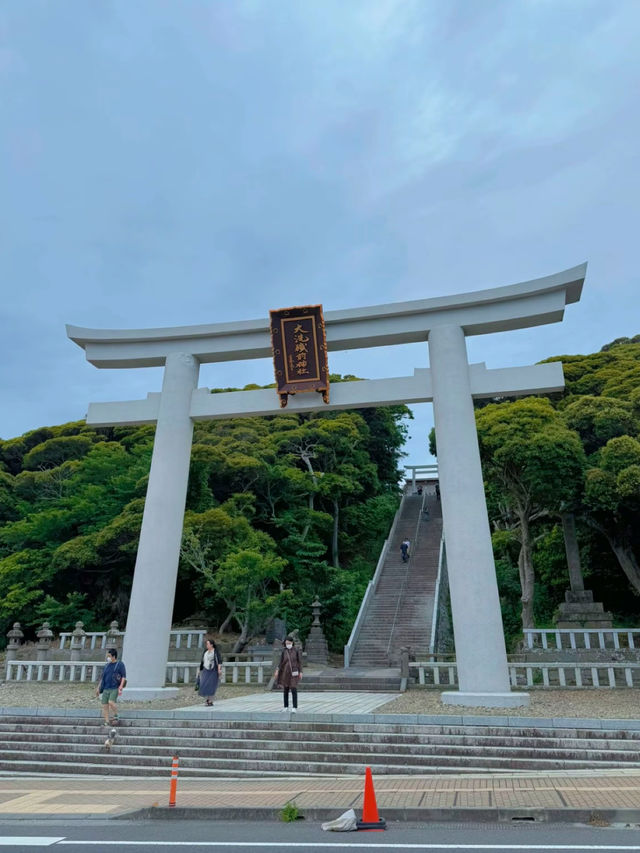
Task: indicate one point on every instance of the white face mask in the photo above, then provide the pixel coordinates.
(289, 645)
(108, 658)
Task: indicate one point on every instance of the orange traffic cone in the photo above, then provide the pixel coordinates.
(174, 782)
(370, 819)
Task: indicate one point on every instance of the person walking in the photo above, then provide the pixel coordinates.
(404, 550)
(210, 672)
(289, 673)
(110, 686)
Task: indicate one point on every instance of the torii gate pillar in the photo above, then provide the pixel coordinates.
(146, 640)
(475, 606)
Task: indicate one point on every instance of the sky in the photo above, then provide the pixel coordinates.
(176, 162)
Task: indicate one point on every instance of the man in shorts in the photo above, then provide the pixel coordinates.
(114, 678)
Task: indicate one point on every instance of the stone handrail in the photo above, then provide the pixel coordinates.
(178, 672)
(581, 638)
(183, 638)
(357, 625)
(436, 599)
(531, 675)
(89, 640)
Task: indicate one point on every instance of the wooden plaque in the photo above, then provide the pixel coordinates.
(299, 351)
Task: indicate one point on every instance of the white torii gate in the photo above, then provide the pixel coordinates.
(450, 382)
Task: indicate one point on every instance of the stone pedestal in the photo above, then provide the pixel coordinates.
(43, 646)
(579, 610)
(77, 641)
(316, 646)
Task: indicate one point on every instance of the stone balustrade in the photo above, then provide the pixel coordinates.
(582, 638)
(180, 638)
(530, 675)
(178, 672)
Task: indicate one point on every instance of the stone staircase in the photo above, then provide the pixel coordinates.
(242, 748)
(376, 680)
(401, 609)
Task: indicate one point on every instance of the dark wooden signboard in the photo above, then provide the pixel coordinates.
(299, 351)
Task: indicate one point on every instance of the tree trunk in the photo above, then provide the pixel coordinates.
(312, 495)
(627, 560)
(242, 640)
(624, 555)
(527, 573)
(334, 542)
(226, 622)
(576, 581)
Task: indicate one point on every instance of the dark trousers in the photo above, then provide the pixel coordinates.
(294, 696)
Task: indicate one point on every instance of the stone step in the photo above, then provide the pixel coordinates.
(249, 747)
(396, 743)
(116, 761)
(287, 749)
(329, 730)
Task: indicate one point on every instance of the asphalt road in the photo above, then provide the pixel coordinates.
(243, 837)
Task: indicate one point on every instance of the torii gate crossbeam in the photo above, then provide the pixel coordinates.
(450, 382)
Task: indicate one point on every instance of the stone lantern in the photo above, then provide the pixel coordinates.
(316, 645)
(43, 646)
(15, 637)
(114, 635)
(77, 640)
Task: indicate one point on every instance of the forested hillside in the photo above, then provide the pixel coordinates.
(281, 509)
(573, 454)
(278, 510)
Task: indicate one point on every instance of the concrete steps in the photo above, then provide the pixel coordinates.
(224, 747)
(401, 609)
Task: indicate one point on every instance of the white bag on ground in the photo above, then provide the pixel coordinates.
(347, 822)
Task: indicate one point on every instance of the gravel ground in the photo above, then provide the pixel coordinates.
(65, 695)
(592, 704)
(588, 704)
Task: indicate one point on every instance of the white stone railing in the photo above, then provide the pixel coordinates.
(89, 640)
(233, 672)
(181, 639)
(582, 638)
(547, 674)
(178, 672)
(30, 670)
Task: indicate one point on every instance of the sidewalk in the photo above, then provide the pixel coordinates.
(603, 797)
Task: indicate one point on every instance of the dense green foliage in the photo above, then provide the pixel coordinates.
(278, 510)
(577, 452)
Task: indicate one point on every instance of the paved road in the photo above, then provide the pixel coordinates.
(236, 837)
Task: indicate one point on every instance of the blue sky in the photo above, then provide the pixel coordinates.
(167, 162)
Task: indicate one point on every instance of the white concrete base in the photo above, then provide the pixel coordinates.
(485, 700)
(147, 694)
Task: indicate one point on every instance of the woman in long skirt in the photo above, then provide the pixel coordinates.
(210, 671)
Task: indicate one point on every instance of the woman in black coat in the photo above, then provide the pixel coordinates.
(289, 673)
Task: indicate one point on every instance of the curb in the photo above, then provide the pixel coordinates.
(595, 817)
(388, 719)
(586, 817)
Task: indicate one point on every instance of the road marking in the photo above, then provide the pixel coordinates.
(28, 841)
(309, 845)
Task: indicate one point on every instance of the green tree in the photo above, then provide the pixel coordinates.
(535, 465)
